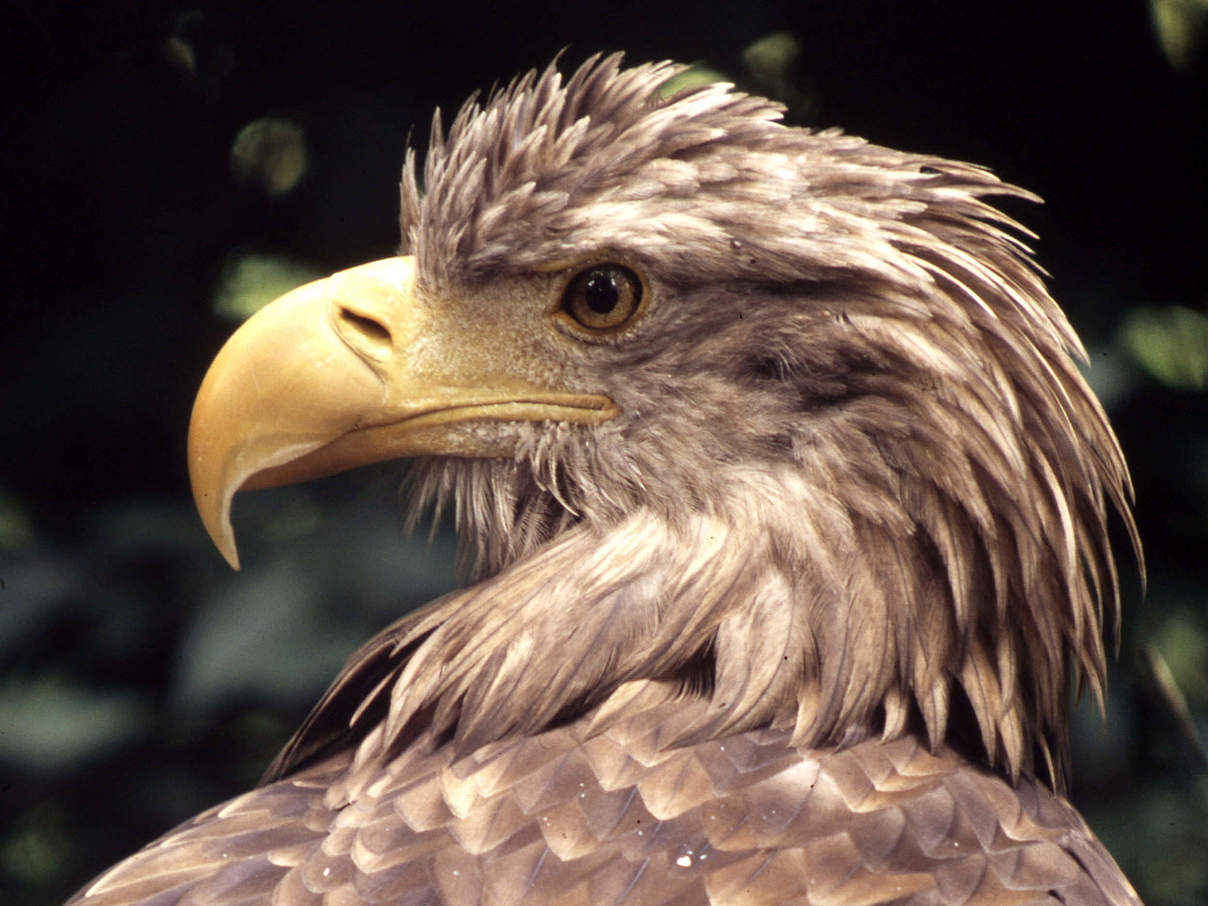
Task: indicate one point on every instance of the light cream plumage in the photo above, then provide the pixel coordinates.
(781, 573)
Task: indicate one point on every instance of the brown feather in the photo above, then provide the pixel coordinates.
(575, 815)
(797, 626)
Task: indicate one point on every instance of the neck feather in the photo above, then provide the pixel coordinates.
(835, 623)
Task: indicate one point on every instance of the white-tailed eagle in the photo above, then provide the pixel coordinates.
(786, 508)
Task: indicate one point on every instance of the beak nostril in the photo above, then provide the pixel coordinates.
(366, 327)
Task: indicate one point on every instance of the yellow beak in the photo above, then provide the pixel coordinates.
(347, 371)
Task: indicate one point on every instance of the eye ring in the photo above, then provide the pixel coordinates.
(603, 297)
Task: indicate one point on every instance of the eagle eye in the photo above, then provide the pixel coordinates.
(603, 296)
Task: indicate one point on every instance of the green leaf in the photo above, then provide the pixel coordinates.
(249, 282)
(1171, 344)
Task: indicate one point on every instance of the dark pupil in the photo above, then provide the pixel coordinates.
(601, 292)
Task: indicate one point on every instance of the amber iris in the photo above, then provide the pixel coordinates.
(603, 296)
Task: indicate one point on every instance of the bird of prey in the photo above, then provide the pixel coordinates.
(786, 509)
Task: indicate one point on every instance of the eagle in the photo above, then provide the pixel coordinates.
(784, 502)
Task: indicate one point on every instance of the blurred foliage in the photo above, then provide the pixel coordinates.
(52, 723)
(1181, 25)
(16, 531)
(774, 64)
(1171, 344)
(770, 66)
(270, 154)
(172, 171)
(692, 77)
(249, 282)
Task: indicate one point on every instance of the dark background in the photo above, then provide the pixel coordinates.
(141, 681)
